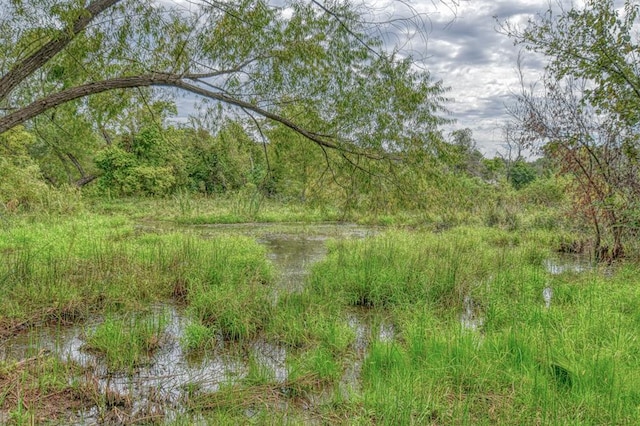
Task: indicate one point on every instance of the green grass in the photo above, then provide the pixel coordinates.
(572, 363)
(129, 342)
(197, 337)
(525, 364)
(227, 209)
(64, 271)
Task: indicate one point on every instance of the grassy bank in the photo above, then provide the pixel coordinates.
(497, 206)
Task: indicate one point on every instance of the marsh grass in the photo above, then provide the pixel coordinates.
(127, 342)
(197, 337)
(65, 271)
(397, 268)
(526, 361)
(229, 208)
(574, 361)
(233, 296)
(35, 390)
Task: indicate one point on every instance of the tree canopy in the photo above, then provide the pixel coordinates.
(280, 63)
(585, 114)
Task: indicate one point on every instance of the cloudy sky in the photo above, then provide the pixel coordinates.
(464, 50)
(478, 63)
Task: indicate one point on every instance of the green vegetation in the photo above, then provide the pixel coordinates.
(65, 270)
(128, 342)
(523, 361)
(140, 277)
(584, 114)
(402, 327)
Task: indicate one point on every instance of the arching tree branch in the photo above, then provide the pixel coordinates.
(167, 80)
(37, 59)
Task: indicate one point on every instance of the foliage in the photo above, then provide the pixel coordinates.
(21, 182)
(19, 175)
(66, 269)
(456, 329)
(586, 114)
(461, 153)
(521, 174)
(248, 58)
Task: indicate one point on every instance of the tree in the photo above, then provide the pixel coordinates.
(245, 56)
(521, 174)
(586, 113)
(464, 155)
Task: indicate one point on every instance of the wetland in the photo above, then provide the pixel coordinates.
(110, 320)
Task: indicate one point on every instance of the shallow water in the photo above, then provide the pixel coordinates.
(158, 386)
(568, 263)
(547, 295)
(471, 316)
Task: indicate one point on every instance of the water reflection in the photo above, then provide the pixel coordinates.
(547, 295)
(471, 317)
(157, 387)
(564, 264)
(293, 256)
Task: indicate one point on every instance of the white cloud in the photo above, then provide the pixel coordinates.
(479, 64)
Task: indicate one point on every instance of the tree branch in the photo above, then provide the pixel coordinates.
(167, 80)
(36, 60)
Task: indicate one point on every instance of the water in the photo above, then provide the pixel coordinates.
(564, 264)
(547, 295)
(471, 316)
(155, 389)
(567, 264)
(293, 255)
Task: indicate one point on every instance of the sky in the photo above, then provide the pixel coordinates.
(464, 49)
(468, 54)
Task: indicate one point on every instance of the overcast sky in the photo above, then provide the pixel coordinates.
(464, 50)
(479, 64)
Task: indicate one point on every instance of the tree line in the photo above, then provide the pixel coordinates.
(306, 99)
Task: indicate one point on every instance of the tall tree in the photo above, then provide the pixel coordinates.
(246, 56)
(586, 112)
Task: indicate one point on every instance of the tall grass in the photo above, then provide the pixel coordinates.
(127, 342)
(64, 271)
(526, 363)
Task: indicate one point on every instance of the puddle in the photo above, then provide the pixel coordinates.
(293, 256)
(471, 318)
(368, 329)
(168, 378)
(547, 295)
(570, 264)
(292, 247)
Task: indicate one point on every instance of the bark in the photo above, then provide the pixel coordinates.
(167, 80)
(41, 105)
(36, 60)
(85, 180)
